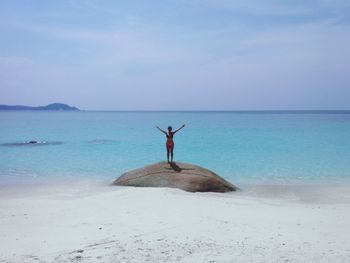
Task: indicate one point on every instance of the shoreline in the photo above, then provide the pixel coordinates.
(286, 192)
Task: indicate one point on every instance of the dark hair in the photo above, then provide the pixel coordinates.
(170, 128)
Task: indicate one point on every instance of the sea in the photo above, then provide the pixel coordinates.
(245, 147)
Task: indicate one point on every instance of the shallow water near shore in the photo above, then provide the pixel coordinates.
(244, 148)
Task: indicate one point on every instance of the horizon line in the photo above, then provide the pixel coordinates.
(238, 111)
(184, 110)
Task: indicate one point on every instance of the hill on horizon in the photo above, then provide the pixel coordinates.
(49, 107)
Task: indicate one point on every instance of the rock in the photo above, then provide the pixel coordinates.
(188, 177)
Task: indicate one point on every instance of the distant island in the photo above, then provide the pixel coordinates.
(50, 107)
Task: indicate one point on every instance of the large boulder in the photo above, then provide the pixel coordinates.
(189, 177)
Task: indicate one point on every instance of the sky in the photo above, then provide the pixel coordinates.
(176, 55)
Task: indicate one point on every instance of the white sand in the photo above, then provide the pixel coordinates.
(90, 223)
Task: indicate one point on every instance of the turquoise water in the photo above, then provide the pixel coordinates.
(260, 148)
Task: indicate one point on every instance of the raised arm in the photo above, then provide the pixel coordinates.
(179, 129)
(161, 130)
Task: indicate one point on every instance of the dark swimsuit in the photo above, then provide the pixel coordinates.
(169, 141)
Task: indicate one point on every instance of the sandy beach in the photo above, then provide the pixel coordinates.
(89, 222)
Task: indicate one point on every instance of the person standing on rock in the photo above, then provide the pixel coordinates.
(170, 142)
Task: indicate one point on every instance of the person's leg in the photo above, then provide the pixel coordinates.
(172, 153)
(167, 153)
